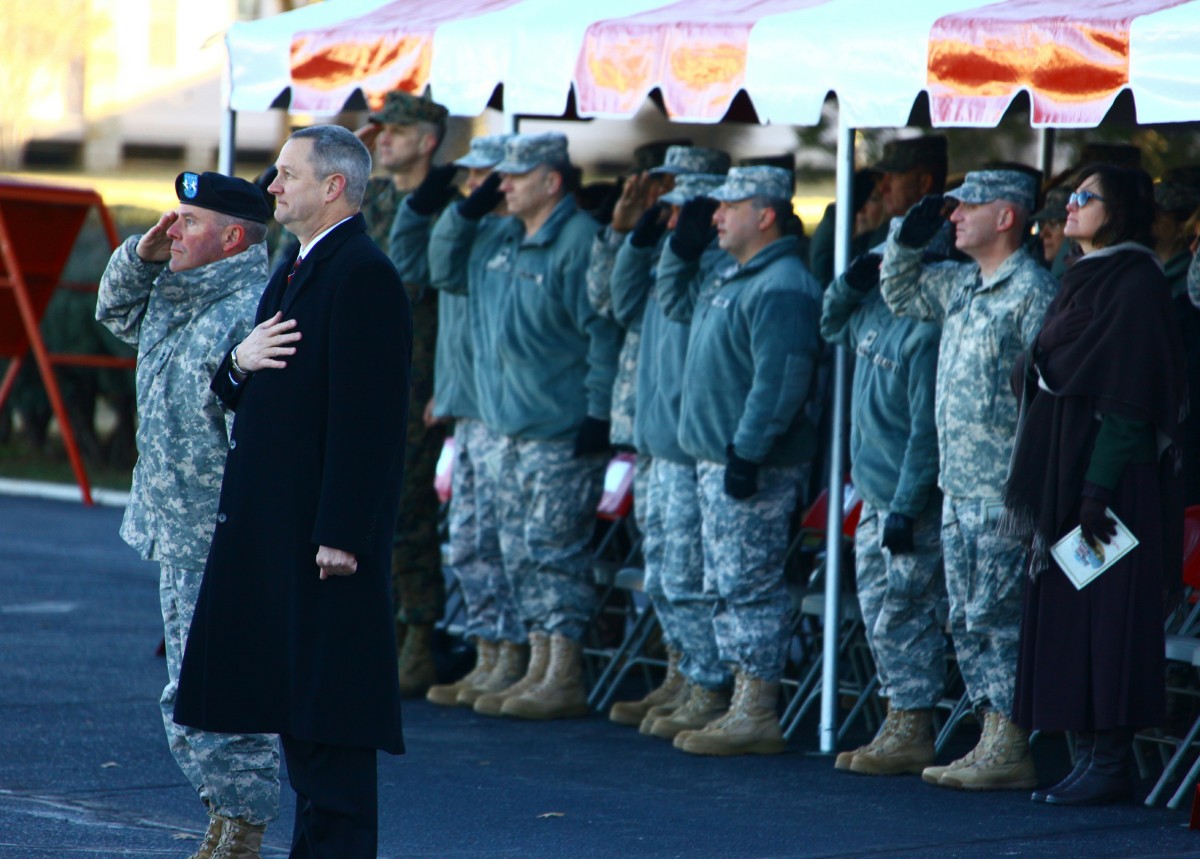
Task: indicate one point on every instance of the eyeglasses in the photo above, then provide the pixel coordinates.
(1079, 199)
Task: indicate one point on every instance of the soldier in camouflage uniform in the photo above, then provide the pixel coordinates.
(492, 620)
(545, 362)
(184, 294)
(990, 311)
(751, 357)
(897, 545)
(404, 134)
(665, 497)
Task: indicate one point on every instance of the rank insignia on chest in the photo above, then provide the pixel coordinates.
(721, 301)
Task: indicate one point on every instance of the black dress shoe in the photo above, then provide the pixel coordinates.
(1093, 788)
(1072, 777)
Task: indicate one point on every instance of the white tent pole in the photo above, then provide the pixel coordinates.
(1046, 152)
(833, 525)
(227, 145)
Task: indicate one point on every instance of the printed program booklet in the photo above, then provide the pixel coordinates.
(1083, 561)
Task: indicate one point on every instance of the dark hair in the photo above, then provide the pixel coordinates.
(782, 208)
(1128, 194)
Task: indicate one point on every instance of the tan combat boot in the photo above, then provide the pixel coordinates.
(539, 660)
(561, 694)
(1004, 765)
(511, 661)
(844, 759)
(702, 706)
(933, 775)
(212, 837)
(416, 669)
(907, 748)
(750, 727)
(240, 840)
(665, 709)
(632, 712)
(446, 694)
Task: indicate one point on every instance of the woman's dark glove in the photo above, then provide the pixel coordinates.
(483, 199)
(922, 222)
(694, 229)
(1062, 329)
(863, 272)
(741, 476)
(898, 534)
(592, 437)
(1094, 521)
(649, 228)
(435, 191)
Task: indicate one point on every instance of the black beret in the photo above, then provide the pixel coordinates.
(225, 194)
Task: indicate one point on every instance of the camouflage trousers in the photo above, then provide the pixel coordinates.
(745, 543)
(237, 775)
(624, 397)
(903, 602)
(674, 555)
(417, 583)
(475, 557)
(984, 577)
(546, 504)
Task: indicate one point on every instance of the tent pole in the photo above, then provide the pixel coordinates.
(833, 525)
(1046, 152)
(228, 140)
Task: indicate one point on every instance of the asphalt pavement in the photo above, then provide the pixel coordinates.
(85, 771)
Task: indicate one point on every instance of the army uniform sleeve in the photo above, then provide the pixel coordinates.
(408, 246)
(784, 346)
(125, 291)
(450, 251)
(912, 289)
(919, 471)
(601, 262)
(838, 306)
(677, 285)
(631, 282)
(1035, 312)
(604, 336)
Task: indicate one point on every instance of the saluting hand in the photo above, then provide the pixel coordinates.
(267, 344)
(155, 244)
(335, 562)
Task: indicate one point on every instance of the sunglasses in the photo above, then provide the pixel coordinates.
(1079, 199)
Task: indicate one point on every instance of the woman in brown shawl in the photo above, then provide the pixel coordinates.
(1102, 395)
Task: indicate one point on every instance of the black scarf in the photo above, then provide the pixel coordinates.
(1128, 362)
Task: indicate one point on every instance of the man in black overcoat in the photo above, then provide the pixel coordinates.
(293, 631)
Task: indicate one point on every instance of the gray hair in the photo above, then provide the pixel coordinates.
(253, 231)
(337, 150)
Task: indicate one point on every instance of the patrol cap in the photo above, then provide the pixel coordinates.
(693, 159)
(1179, 190)
(225, 194)
(404, 108)
(692, 185)
(485, 152)
(909, 153)
(524, 152)
(653, 154)
(743, 183)
(1055, 207)
(984, 186)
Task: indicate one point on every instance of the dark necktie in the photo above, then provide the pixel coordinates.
(288, 289)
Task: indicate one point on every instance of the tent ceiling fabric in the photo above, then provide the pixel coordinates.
(1073, 59)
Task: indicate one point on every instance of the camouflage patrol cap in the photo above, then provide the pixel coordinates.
(1055, 207)
(900, 156)
(524, 152)
(404, 108)
(693, 159)
(745, 182)
(1179, 190)
(485, 152)
(653, 154)
(225, 194)
(692, 185)
(984, 186)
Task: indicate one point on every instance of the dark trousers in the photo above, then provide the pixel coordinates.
(337, 801)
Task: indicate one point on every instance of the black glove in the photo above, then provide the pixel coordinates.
(435, 190)
(649, 228)
(694, 229)
(741, 476)
(1064, 328)
(1094, 521)
(897, 533)
(922, 222)
(592, 437)
(604, 212)
(483, 199)
(863, 272)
